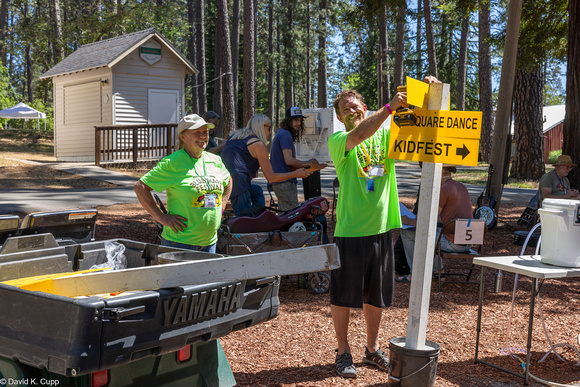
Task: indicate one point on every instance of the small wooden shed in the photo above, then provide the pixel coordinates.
(138, 78)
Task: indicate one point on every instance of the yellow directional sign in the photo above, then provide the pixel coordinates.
(448, 150)
(443, 123)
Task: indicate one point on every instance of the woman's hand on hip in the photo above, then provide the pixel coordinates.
(176, 222)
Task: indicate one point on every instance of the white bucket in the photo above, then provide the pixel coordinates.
(560, 232)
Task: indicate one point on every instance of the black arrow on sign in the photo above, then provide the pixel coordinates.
(462, 151)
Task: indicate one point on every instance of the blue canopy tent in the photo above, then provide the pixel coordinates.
(23, 111)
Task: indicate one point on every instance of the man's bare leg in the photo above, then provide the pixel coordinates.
(373, 320)
(340, 318)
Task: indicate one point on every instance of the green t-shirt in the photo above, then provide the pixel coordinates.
(361, 212)
(194, 190)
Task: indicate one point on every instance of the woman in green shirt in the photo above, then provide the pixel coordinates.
(197, 185)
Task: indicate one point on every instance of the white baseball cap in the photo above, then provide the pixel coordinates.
(192, 121)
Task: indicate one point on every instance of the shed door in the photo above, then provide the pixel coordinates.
(163, 107)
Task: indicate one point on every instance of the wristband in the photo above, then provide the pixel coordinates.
(389, 109)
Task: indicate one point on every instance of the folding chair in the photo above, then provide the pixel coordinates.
(472, 230)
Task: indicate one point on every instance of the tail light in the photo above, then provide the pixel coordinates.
(184, 354)
(100, 378)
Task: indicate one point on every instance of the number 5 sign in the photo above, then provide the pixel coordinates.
(469, 231)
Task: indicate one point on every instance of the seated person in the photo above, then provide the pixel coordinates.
(555, 184)
(244, 153)
(454, 203)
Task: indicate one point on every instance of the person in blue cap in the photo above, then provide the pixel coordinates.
(283, 157)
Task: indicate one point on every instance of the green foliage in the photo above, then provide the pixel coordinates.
(352, 44)
(553, 156)
(7, 93)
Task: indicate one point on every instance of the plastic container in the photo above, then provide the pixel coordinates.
(560, 232)
(412, 367)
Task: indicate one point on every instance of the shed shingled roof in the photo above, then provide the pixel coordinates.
(108, 52)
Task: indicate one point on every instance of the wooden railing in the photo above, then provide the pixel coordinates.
(134, 143)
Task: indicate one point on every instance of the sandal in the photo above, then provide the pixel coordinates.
(404, 278)
(378, 359)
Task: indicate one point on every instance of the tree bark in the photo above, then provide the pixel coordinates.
(462, 64)
(228, 113)
(419, 49)
(3, 19)
(308, 54)
(322, 56)
(192, 80)
(571, 145)
(54, 11)
(271, 59)
(384, 83)
(528, 105)
(288, 69)
(200, 80)
(249, 62)
(485, 87)
(29, 74)
(400, 45)
(504, 99)
(430, 38)
(236, 52)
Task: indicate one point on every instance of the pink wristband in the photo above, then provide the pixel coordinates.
(389, 109)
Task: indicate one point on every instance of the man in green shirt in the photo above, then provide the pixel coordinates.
(367, 210)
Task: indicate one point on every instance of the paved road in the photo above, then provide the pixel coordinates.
(23, 201)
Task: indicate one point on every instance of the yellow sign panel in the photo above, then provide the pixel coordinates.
(443, 123)
(417, 93)
(448, 150)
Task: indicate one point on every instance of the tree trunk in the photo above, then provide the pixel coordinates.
(322, 56)
(288, 69)
(571, 145)
(528, 104)
(308, 54)
(223, 28)
(430, 38)
(249, 63)
(29, 74)
(3, 19)
(199, 83)
(419, 49)
(192, 80)
(462, 65)
(236, 53)
(400, 45)
(54, 10)
(384, 84)
(217, 83)
(485, 87)
(278, 76)
(271, 59)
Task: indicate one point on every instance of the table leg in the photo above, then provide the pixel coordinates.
(481, 285)
(530, 327)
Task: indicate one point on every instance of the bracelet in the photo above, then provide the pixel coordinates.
(389, 108)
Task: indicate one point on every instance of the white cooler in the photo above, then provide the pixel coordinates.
(560, 232)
